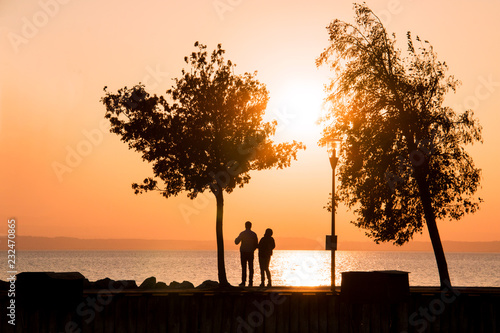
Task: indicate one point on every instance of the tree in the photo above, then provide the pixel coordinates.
(404, 161)
(206, 135)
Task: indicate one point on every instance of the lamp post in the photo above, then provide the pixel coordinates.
(333, 145)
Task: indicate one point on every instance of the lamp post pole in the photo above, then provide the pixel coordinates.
(333, 162)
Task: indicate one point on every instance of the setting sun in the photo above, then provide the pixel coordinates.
(297, 106)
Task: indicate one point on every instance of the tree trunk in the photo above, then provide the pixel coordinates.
(220, 240)
(430, 218)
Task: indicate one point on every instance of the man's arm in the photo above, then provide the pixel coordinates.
(255, 241)
(238, 239)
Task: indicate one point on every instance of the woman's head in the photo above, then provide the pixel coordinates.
(269, 232)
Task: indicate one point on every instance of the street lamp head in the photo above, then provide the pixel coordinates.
(333, 145)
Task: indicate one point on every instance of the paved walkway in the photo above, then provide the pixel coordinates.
(289, 290)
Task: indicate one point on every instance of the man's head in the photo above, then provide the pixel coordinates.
(248, 225)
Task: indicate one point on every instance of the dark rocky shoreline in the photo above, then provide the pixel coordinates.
(149, 283)
(107, 283)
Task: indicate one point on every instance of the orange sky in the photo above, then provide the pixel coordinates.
(57, 55)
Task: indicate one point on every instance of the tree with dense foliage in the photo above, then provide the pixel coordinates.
(403, 156)
(206, 135)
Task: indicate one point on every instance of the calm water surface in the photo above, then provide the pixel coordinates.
(288, 268)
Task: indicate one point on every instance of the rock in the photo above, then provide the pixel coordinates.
(208, 284)
(187, 285)
(161, 285)
(149, 283)
(183, 285)
(102, 284)
(109, 284)
(87, 284)
(174, 285)
(125, 284)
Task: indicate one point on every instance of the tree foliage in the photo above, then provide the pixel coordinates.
(401, 144)
(207, 134)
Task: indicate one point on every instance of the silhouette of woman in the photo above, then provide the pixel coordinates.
(266, 246)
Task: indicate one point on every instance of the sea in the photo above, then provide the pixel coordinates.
(288, 268)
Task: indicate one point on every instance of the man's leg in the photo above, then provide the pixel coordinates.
(250, 268)
(243, 269)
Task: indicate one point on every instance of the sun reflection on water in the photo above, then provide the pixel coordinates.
(312, 268)
(304, 268)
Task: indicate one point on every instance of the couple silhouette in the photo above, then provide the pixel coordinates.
(249, 243)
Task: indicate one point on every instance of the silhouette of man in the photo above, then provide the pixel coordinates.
(249, 242)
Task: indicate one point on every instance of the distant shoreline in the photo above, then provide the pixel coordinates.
(71, 243)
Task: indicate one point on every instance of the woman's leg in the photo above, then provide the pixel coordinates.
(266, 269)
(261, 265)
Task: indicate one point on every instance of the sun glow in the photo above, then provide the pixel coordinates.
(301, 268)
(297, 106)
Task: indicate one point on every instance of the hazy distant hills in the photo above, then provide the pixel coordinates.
(69, 243)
